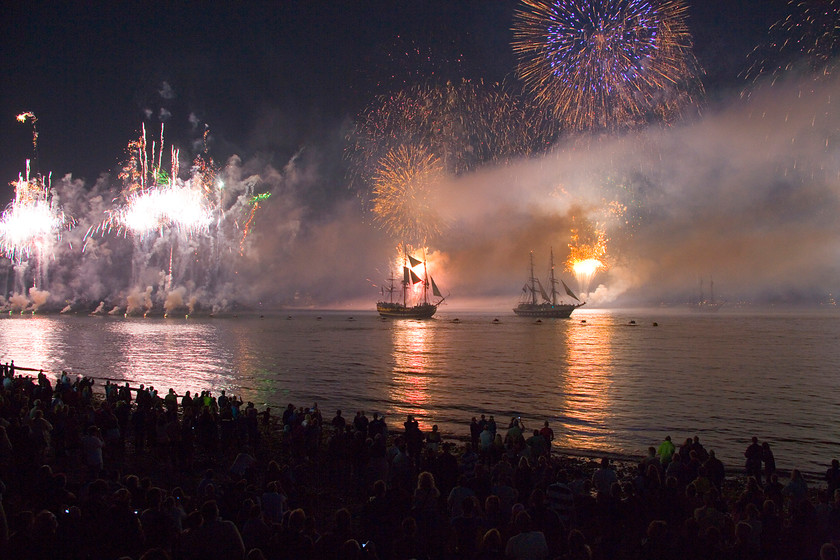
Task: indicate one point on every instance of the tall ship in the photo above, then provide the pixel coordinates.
(707, 305)
(536, 302)
(422, 308)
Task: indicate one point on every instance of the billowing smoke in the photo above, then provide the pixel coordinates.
(746, 194)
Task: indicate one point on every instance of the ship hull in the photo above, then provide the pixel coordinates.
(546, 310)
(706, 307)
(399, 311)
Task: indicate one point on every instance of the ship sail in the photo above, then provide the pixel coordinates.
(414, 262)
(543, 292)
(435, 290)
(422, 308)
(569, 291)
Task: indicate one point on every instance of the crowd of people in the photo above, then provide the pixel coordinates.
(124, 472)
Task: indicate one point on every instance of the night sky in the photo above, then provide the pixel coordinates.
(268, 78)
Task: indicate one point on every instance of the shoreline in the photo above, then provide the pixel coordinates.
(626, 459)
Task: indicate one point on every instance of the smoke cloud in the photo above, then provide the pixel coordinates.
(746, 195)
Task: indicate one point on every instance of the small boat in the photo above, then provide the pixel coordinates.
(423, 308)
(550, 306)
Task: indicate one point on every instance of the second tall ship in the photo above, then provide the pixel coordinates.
(537, 303)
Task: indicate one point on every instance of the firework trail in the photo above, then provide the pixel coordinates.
(249, 223)
(607, 64)
(29, 115)
(808, 37)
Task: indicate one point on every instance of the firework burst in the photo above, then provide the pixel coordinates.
(32, 221)
(402, 200)
(587, 252)
(405, 139)
(31, 226)
(464, 124)
(155, 200)
(606, 64)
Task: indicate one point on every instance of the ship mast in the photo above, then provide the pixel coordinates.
(553, 280)
(532, 280)
(425, 280)
(406, 277)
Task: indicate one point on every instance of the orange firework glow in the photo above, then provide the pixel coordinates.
(425, 258)
(402, 200)
(587, 252)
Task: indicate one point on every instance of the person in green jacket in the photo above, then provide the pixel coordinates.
(666, 451)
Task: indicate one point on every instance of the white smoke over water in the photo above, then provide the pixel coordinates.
(747, 194)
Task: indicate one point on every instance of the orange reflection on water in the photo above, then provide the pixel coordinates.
(412, 374)
(586, 396)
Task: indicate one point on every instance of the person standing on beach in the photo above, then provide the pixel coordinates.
(475, 432)
(832, 476)
(491, 425)
(537, 446)
(377, 427)
(548, 434)
(604, 477)
(666, 451)
(753, 454)
(413, 438)
(360, 422)
(768, 459)
(92, 444)
(485, 442)
(715, 470)
(513, 439)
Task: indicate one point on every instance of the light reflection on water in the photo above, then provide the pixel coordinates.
(602, 384)
(586, 389)
(413, 368)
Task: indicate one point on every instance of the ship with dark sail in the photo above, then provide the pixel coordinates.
(536, 302)
(422, 308)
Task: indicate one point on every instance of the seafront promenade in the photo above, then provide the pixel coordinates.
(93, 470)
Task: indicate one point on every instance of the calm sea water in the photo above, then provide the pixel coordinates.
(603, 383)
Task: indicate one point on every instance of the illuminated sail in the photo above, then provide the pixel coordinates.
(414, 262)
